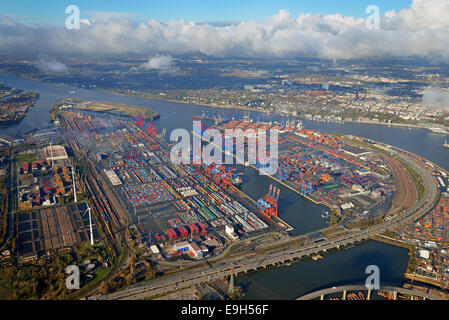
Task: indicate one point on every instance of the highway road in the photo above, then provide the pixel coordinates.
(289, 254)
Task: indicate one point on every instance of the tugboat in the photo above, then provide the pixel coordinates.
(325, 215)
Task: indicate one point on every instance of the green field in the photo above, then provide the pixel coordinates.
(121, 109)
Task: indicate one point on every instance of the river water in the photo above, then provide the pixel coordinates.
(346, 267)
(343, 267)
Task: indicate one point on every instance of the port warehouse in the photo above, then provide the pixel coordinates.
(42, 231)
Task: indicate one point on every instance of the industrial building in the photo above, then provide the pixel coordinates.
(355, 151)
(191, 248)
(230, 232)
(53, 153)
(113, 178)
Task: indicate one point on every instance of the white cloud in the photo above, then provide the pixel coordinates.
(162, 63)
(158, 62)
(421, 30)
(51, 65)
(425, 14)
(86, 21)
(436, 97)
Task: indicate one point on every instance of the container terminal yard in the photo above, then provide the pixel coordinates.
(168, 202)
(195, 209)
(185, 215)
(354, 182)
(173, 202)
(294, 249)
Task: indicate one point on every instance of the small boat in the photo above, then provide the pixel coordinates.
(325, 215)
(317, 257)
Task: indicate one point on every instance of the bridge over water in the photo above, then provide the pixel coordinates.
(343, 290)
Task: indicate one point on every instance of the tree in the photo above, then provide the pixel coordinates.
(238, 292)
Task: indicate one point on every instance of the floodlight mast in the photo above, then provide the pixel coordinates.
(90, 225)
(74, 185)
(51, 153)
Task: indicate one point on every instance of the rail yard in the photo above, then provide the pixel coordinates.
(14, 104)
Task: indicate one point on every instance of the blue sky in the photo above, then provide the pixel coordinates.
(53, 12)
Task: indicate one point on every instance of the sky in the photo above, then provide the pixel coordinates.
(53, 12)
(326, 29)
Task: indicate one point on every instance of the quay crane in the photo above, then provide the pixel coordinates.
(151, 130)
(306, 187)
(268, 205)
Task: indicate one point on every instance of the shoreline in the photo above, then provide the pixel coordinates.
(186, 102)
(13, 122)
(394, 124)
